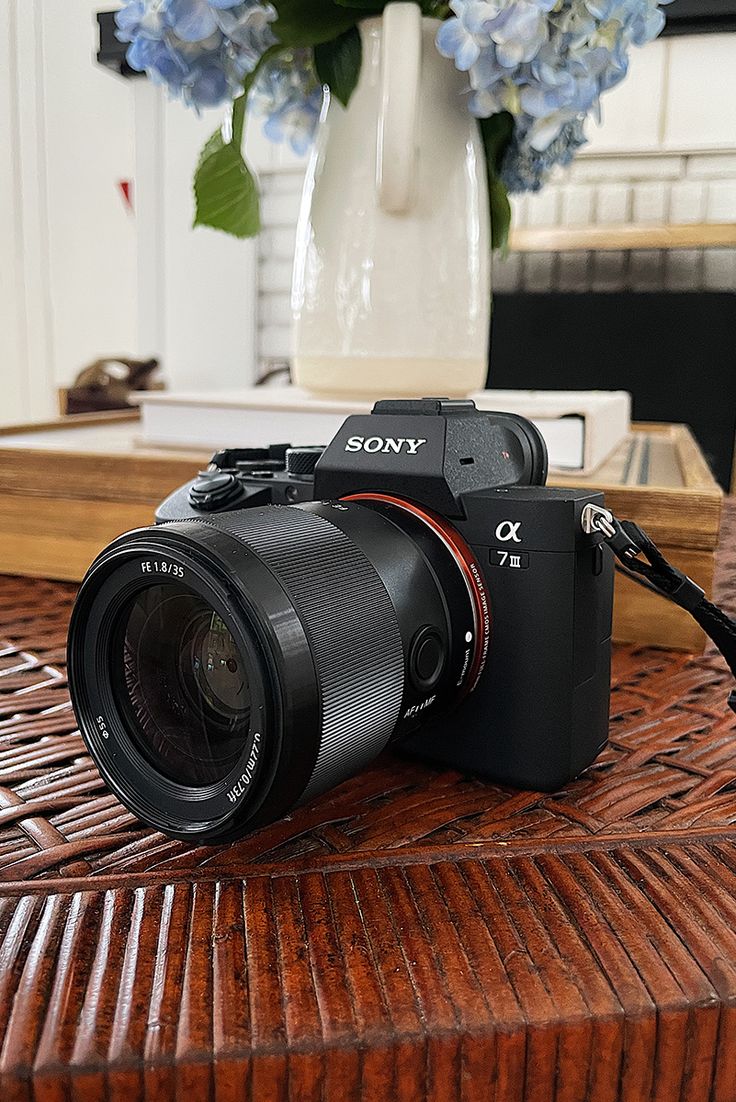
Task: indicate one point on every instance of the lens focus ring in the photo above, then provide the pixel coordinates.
(351, 625)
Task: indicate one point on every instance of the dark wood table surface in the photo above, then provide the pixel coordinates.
(412, 935)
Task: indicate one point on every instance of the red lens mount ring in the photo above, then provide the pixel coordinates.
(465, 559)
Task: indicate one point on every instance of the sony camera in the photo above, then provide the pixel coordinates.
(296, 610)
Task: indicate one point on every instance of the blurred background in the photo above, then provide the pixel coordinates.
(99, 258)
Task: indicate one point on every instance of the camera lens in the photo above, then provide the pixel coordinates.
(225, 669)
(184, 684)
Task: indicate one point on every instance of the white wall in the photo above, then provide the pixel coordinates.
(195, 287)
(679, 95)
(81, 275)
(208, 278)
(26, 364)
(88, 148)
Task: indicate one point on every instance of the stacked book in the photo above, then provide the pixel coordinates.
(581, 428)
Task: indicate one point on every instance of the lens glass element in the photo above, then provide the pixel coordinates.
(184, 684)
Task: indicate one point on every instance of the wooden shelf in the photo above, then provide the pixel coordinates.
(623, 237)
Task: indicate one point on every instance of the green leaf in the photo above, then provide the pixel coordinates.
(225, 192)
(338, 64)
(497, 132)
(436, 9)
(500, 214)
(309, 22)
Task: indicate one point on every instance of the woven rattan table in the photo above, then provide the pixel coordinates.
(411, 935)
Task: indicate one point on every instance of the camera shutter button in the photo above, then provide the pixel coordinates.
(426, 659)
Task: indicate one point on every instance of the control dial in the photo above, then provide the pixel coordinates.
(300, 462)
(213, 490)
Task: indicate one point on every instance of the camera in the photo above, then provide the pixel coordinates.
(294, 611)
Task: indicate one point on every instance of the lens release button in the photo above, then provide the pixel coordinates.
(426, 659)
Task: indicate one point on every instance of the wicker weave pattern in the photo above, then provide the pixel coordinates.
(670, 766)
(412, 936)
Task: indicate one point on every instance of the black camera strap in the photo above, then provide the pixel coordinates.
(642, 561)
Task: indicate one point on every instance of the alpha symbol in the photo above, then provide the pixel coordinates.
(508, 530)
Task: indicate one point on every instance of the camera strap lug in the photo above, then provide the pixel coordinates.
(640, 559)
(596, 519)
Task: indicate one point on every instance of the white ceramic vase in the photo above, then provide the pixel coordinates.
(391, 287)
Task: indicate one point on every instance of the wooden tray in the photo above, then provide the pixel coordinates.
(72, 486)
(660, 480)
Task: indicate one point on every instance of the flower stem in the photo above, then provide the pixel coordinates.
(241, 102)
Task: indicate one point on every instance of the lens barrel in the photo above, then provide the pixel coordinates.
(225, 669)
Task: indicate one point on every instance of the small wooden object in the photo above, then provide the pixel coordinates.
(412, 936)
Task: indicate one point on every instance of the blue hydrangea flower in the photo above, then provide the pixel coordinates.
(136, 19)
(289, 96)
(191, 20)
(547, 62)
(642, 19)
(200, 49)
(525, 168)
(464, 37)
(520, 31)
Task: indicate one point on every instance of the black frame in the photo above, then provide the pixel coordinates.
(673, 350)
(700, 16)
(110, 50)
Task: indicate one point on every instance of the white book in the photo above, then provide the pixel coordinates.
(581, 428)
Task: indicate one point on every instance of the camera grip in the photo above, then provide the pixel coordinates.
(539, 715)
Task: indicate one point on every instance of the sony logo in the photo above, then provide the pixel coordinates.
(396, 444)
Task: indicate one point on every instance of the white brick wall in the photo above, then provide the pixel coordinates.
(281, 192)
(629, 188)
(665, 152)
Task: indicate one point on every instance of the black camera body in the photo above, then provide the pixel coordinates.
(541, 584)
